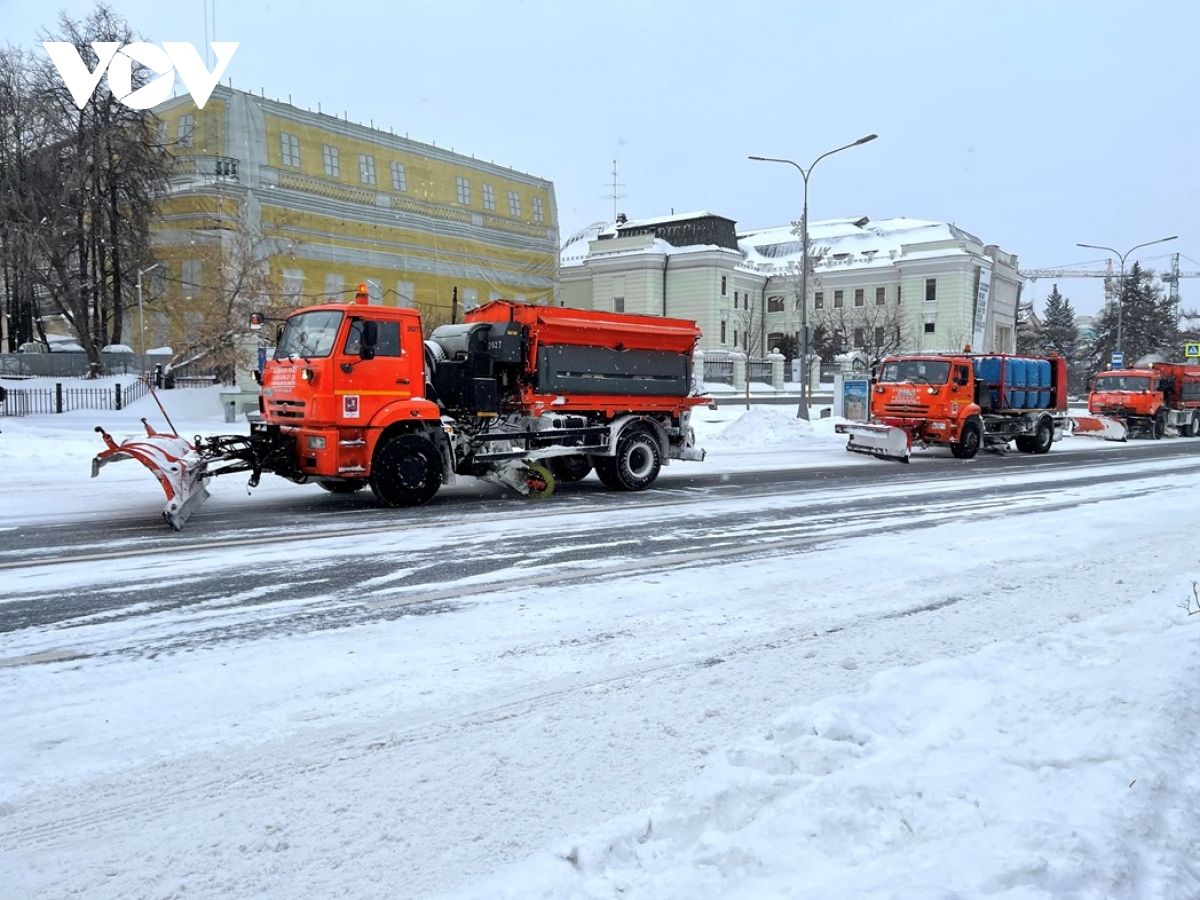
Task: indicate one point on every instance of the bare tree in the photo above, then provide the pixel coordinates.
(878, 329)
(80, 185)
(236, 254)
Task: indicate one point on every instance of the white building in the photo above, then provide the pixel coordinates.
(895, 284)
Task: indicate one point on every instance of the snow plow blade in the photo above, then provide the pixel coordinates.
(882, 441)
(174, 462)
(1098, 427)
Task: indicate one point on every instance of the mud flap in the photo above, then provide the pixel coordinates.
(1098, 427)
(881, 441)
(173, 461)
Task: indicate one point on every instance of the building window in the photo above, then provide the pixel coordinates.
(838, 301)
(539, 214)
(880, 296)
(160, 329)
(722, 332)
(333, 166)
(193, 325)
(374, 292)
(774, 339)
(930, 290)
(931, 324)
(160, 135)
(860, 337)
(819, 300)
(724, 285)
(187, 131)
(735, 337)
(293, 285)
(192, 278)
(289, 146)
(406, 291)
(158, 282)
(878, 337)
(464, 190)
(619, 304)
(494, 295)
(514, 204)
(334, 286)
(470, 299)
(366, 168)
(774, 304)
(489, 197)
(860, 298)
(399, 177)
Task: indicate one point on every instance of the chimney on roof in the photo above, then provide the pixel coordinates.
(621, 219)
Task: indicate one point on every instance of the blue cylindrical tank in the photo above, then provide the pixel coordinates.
(1044, 383)
(988, 368)
(1014, 382)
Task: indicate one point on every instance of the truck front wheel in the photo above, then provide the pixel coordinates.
(970, 439)
(636, 464)
(407, 471)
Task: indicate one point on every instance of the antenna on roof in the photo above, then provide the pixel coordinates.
(614, 196)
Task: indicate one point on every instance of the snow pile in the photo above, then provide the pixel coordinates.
(770, 427)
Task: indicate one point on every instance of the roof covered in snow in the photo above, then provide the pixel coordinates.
(855, 241)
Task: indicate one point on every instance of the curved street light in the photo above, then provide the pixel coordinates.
(802, 411)
(1121, 292)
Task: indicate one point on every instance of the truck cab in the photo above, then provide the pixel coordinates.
(340, 374)
(1150, 401)
(934, 398)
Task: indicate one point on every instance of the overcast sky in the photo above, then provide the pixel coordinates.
(1033, 125)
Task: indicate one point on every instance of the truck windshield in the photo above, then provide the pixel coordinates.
(917, 371)
(309, 334)
(1122, 383)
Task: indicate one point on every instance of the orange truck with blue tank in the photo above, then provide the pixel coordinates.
(967, 402)
(517, 394)
(1157, 400)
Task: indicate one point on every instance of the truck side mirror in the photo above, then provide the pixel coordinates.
(370, 338)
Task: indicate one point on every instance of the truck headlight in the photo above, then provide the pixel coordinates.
(315, 441)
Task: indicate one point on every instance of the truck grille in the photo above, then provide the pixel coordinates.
(909, 410)
(1111, 409)
(286, 409)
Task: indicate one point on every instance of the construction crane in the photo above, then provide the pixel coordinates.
(1171, 279)
(1106, 274)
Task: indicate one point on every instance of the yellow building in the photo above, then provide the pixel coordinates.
(329, 203)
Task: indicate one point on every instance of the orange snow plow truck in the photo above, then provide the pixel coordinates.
(969, 402)
(1163, 398)
(517, 394)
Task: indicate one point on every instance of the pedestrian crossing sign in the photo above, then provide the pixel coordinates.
(1191, 350)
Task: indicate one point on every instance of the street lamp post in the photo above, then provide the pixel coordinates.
(802, 410)
(1121, 282)
(141, 322)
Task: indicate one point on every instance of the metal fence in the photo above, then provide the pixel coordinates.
(718, 369)
(758, 370)
(58, 399)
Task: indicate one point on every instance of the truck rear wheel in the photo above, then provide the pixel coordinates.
(1192, 428)
(970, 439)
(636, 464)
(407, 471)
(1043, 436)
